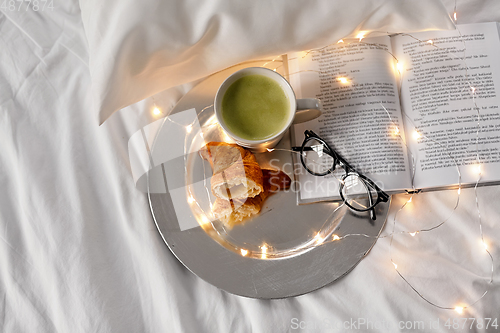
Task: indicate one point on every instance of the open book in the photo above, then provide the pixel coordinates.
(358, 85)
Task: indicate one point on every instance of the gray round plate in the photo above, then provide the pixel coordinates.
(212, 252)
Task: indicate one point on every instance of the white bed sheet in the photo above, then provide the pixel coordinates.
(79, 251)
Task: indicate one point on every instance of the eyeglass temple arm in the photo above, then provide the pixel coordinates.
(341, 159)
(382, 195)
(370, 200)
(372, 211)
(301, 149)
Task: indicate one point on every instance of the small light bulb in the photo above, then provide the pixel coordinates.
(244, 252)
(264, 251)
(212, 120)
(455, 16)
(416, 135)
(191, 199)
(227, 138)
(340, 41)
(400, 67)
(396, 131)
(430, 41)
(274, 70)
(318, 238)
(204, 219)
(413, 233)
(459, 309)
(410, 199)
(459, 190)
(361, 35)
(473, 89)
(395, 266)
(342, 80)
(270, 149)
(189, 128)
(336, 237)
(156, 111)
(478, 169)
(485, 245)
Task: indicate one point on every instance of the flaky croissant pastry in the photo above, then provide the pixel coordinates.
(236, 173)
(232, 212)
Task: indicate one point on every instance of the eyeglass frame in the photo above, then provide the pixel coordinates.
(349, 170)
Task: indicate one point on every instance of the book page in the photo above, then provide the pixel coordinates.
(438, 98)
(355, 82)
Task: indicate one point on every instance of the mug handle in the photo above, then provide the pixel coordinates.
(307, 109)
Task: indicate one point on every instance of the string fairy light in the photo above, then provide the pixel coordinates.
(418, 135)
(318, 239)
(414, 233)
(156, 110)
(455, 12)
(391, 235)
(478, 169)
(458, 309)
(361, 35)
(265, 252)
(396, 130)
(399, 67)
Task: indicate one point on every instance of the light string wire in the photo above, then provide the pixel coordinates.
(336, 237)
(321, 240)
(458, 309)
(473, 90)
(478, 161)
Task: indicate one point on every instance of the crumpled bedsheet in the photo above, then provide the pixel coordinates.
(79, 251)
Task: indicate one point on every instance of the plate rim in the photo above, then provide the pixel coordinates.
(169, 234)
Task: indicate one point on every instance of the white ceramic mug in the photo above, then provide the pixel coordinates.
(300, 110)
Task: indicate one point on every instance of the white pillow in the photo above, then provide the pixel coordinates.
(139, 48)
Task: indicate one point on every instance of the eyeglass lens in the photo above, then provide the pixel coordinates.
(358, 193)
(316, 158)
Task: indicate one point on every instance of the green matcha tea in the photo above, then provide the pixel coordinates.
(255, 107)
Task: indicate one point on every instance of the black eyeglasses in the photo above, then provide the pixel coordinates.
(356, 190)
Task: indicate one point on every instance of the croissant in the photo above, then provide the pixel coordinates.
(232, 212)
(236, 173)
